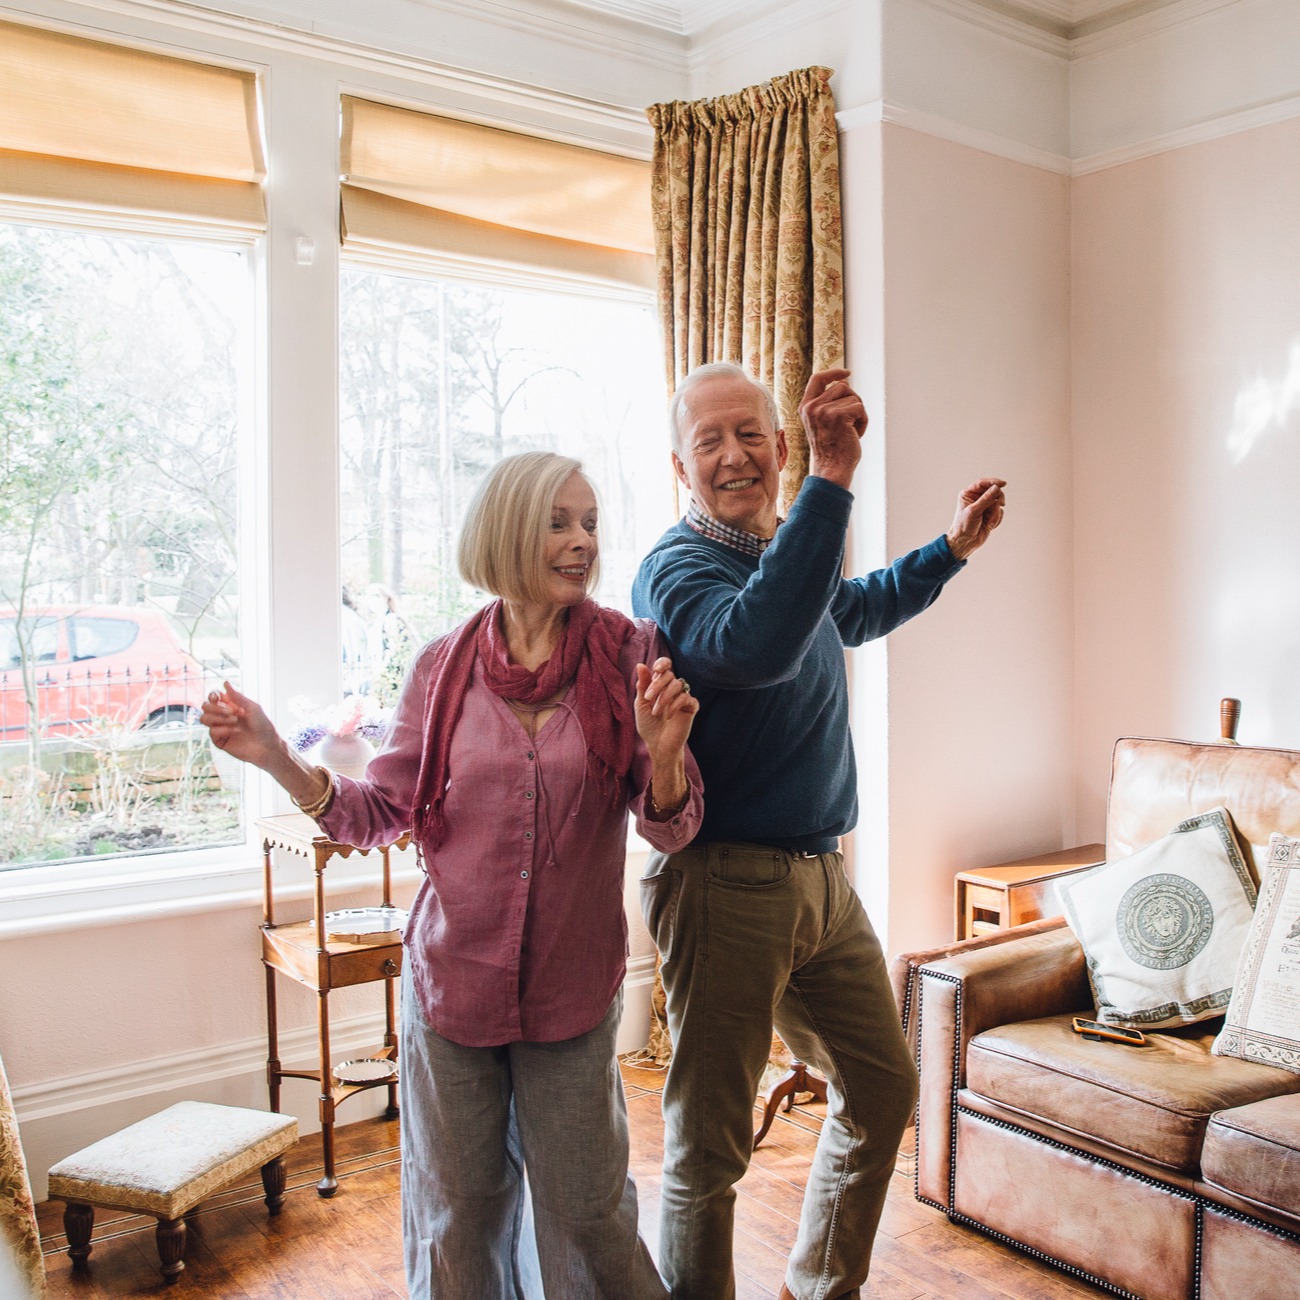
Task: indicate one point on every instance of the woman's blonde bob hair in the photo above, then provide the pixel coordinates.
(503, 539)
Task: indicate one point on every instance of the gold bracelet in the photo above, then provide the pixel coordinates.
(664, 813)
(320, 805)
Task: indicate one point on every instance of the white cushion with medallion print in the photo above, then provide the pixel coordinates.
(1163, 928)
(1263, 1023)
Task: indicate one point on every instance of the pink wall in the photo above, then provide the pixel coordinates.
(976, 353)
(1186, 411)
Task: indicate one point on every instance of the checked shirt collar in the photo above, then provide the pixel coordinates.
(739, 540)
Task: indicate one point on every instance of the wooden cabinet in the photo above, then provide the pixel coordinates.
(994, 898)
(302, 951)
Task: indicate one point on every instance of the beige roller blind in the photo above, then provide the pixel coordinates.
(88, 123)
(416, 181)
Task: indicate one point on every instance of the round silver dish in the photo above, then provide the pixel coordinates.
(365, 1069)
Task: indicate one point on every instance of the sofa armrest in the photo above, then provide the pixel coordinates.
(1031, 976)
(905, 968)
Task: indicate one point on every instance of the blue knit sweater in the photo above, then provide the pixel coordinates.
(760, 641)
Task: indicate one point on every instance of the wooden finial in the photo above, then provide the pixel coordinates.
(1229, 716)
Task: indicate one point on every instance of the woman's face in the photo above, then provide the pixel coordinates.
(571, 541)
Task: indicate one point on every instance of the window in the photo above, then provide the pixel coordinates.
(95, 638)
(504, 305)
(38, 637)
(440, 378)
(122, 365)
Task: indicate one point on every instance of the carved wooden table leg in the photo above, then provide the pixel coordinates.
(274, 1176)
(799, 1080)
(171, 1248)
(390, 1027)
(78, 1221)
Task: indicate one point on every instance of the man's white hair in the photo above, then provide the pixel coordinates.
(716, 370)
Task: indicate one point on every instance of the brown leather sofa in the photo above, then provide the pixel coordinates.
(1160, 1172)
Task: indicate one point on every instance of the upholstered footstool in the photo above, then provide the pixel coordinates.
(165, 1165)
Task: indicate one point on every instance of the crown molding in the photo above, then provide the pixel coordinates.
(1051, 16)
(1056, 11)
(1281, 110)
(666, 17)
(703, 15)
(1007, 22)
(558, 115)
(1143, 25)
(716, 39)
(593, 25)
(943, 128)
(1217, 128)
(1104, 13)
(1076, 23)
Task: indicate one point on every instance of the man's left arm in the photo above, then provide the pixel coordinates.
(874, 605)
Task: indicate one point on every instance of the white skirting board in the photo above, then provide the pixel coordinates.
(64, 1115)
(634, 1032)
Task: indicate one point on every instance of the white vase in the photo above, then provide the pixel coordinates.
(346, 755)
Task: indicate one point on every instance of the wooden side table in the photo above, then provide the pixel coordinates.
(302, 951)
(995, 898)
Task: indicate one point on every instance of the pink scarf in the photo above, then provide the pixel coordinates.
(587, 655)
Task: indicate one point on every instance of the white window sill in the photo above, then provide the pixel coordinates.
(83, 895)
(88, 894)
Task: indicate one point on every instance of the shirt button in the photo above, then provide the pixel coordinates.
(530, 753)
(528, 794)
(523, 875)
(528, 835)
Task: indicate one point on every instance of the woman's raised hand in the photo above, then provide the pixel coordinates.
(240, 727)
(665, 709)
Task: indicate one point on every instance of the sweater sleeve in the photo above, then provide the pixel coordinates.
(872, 606)
(735, 629)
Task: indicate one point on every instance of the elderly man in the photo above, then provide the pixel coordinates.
(755, 921)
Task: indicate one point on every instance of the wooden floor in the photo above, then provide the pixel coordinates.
(350, 1246)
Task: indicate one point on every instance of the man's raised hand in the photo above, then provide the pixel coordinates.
(834, 419)
(979, 511)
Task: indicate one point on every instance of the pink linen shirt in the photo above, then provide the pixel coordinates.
(518, 931)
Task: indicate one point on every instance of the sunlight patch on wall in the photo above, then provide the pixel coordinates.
(1262, 407)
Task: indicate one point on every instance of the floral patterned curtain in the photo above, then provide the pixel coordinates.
(20, 1243)
(746, 201)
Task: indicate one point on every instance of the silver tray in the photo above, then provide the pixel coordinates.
(366, 1069)
(365, 924)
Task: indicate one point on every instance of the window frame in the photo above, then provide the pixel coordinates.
(43, 898)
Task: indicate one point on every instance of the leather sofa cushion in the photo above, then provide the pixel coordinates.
(1254, 1152)
(1153, 1101)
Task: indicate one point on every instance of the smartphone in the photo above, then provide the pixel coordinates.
(1111, 1033)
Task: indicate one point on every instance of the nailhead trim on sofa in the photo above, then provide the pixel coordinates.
(1201, 1203)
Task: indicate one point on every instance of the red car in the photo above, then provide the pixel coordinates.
(116, 662)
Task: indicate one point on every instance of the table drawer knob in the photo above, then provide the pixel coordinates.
(390, 967)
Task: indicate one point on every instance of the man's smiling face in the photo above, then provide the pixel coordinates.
(730, 457)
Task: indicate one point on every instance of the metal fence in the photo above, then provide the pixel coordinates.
(72, 701)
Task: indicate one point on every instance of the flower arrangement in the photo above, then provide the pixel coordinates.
(356, 715)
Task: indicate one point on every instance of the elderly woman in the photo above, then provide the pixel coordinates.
(521, 740)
